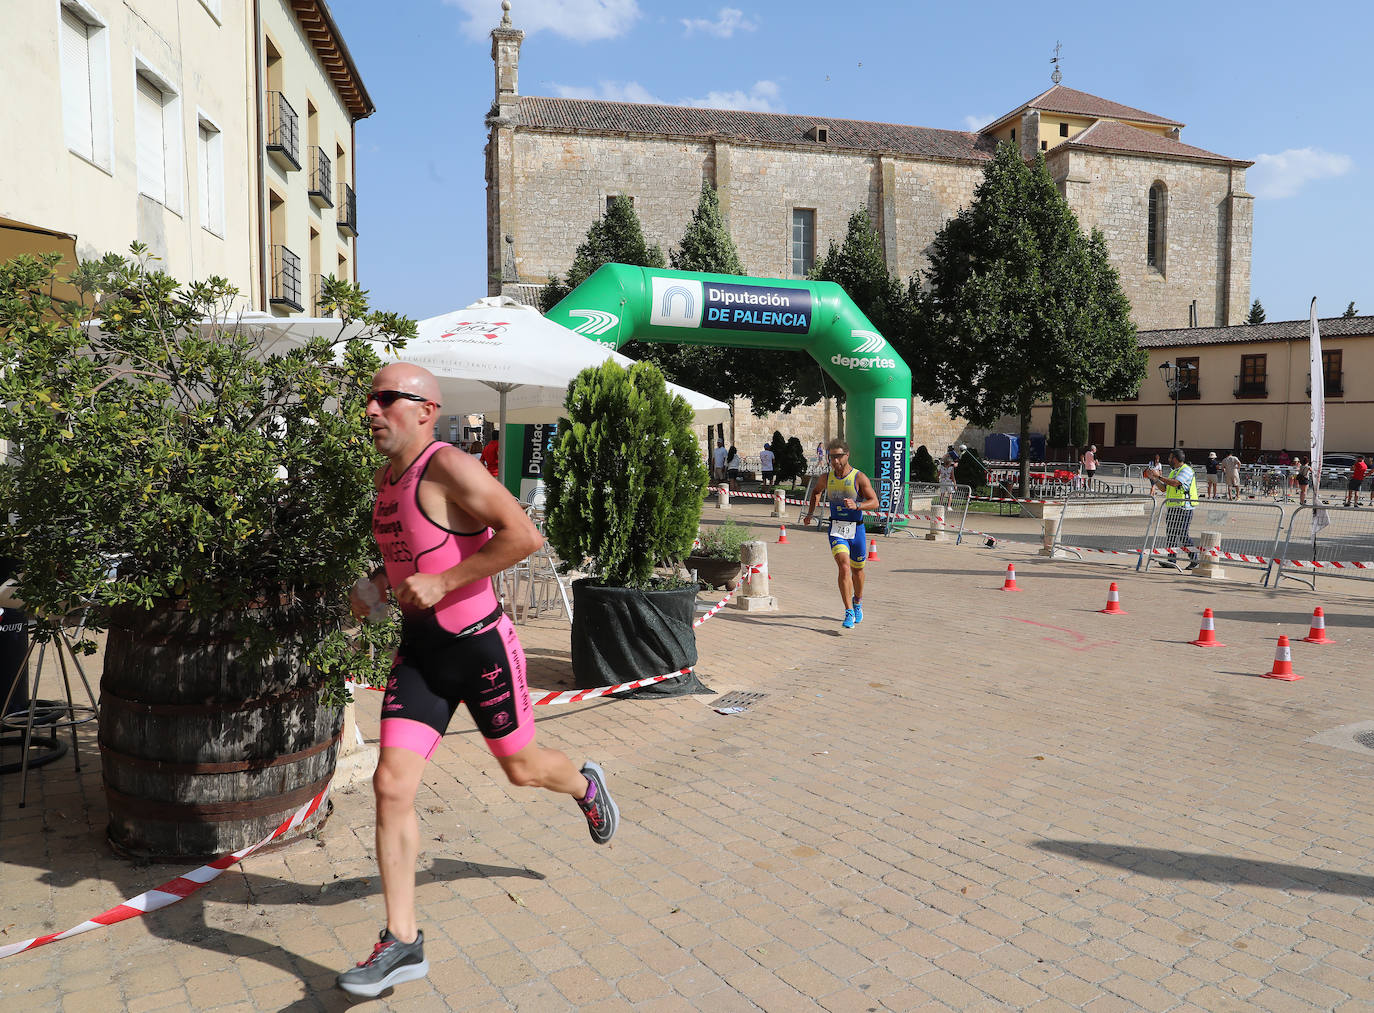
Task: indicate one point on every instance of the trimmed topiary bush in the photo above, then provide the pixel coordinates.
(626, 481)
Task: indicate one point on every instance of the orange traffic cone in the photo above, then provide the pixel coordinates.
(872, 556)
(1010, 583)
(1207, 636)
(1317, 634)
(1283, 663)
(1113, 602)
(782, 534)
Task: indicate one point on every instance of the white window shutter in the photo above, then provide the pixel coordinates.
(203, 176)
(76, 84)
(148, 128)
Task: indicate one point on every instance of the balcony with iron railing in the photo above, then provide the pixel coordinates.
(283, 132)
(286, 279)
(317, 299)
(1252, 387)
(348, 210)
(321, 178)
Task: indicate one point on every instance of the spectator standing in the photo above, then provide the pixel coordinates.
(718, 459)
(1357, 474)
(1212, 470)
(1230, 468)
(944, 473)
(820, 455)
(1089, 465)
(1180, 498)
(1304, 482)
(1154, 466)
(733, 466)
(491, 454)
(766, 462)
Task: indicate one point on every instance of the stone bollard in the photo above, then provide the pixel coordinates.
(356, 759)
(755, 595)
(938, 532)
(1209, 567)
(1051, 535)
(779, 503)
(723, 498)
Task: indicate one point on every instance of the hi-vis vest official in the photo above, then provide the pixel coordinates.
(1185, 495)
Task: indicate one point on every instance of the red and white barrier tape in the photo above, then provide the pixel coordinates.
(183, 886)
(174, 889)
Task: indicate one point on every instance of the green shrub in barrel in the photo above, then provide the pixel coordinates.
(204, 497)
(625, 488)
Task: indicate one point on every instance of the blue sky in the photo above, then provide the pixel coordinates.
(1285, 86)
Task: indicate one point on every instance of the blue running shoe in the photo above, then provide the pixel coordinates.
(849, 619)
(858, 612)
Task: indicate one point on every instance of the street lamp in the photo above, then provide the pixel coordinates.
(1176, 380)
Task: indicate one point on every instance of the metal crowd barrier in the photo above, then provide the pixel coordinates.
(1326, 534)
(924, 497)
(1111, 524)
(1246, 529)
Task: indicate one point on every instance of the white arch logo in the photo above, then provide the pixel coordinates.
(676, 302)
(871, 344)
(679, 292)
(594, 322)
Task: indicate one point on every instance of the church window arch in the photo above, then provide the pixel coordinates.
(1157, 226)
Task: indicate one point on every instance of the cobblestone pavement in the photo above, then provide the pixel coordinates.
(976, 800)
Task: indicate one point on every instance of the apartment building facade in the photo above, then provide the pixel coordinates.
(1245, 388)
(219, 133)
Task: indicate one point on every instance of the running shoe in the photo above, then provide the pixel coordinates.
(392, 962)
(1193, 562)
(858, 612)
(849, 619)
(603, 815)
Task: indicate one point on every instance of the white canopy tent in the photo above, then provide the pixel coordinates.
(502, 357)
(497, 356)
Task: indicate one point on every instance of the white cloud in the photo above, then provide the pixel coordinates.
(976, 123)
(580, 20)
(611, 91)
(1284, 174)
(728, 21)
(763, 97)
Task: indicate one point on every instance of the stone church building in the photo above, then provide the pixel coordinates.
(1177, 218)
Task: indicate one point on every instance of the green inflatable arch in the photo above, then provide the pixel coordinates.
(619, 303)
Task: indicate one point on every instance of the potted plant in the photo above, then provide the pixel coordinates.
(625, 487)
(716, 555)
(207, 503)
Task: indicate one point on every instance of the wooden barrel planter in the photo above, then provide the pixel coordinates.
(203, 753)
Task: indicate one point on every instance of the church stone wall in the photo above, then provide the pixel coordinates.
(1111, 192)
(562, 182)
(766, 184)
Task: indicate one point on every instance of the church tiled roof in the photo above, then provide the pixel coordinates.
(1079, 103)
(1282, 330)
(773, 128)
(1108, 135)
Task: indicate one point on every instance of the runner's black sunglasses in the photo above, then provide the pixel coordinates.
(387, 398)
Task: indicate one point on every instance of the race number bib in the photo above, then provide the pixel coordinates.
(842, 529)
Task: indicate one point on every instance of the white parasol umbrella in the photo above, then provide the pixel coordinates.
(500, 356)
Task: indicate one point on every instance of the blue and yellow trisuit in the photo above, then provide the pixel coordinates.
(846, 523)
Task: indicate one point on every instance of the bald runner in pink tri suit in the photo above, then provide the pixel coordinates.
(444, 526)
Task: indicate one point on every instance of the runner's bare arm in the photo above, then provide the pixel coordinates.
(468, 485)
(356, 605)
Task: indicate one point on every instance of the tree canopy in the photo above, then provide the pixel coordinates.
(1256, 313)
(1350, 310)
(614, 238)
(1019, 305)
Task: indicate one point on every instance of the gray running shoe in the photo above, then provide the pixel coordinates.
(603, 815)
(392, 962)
